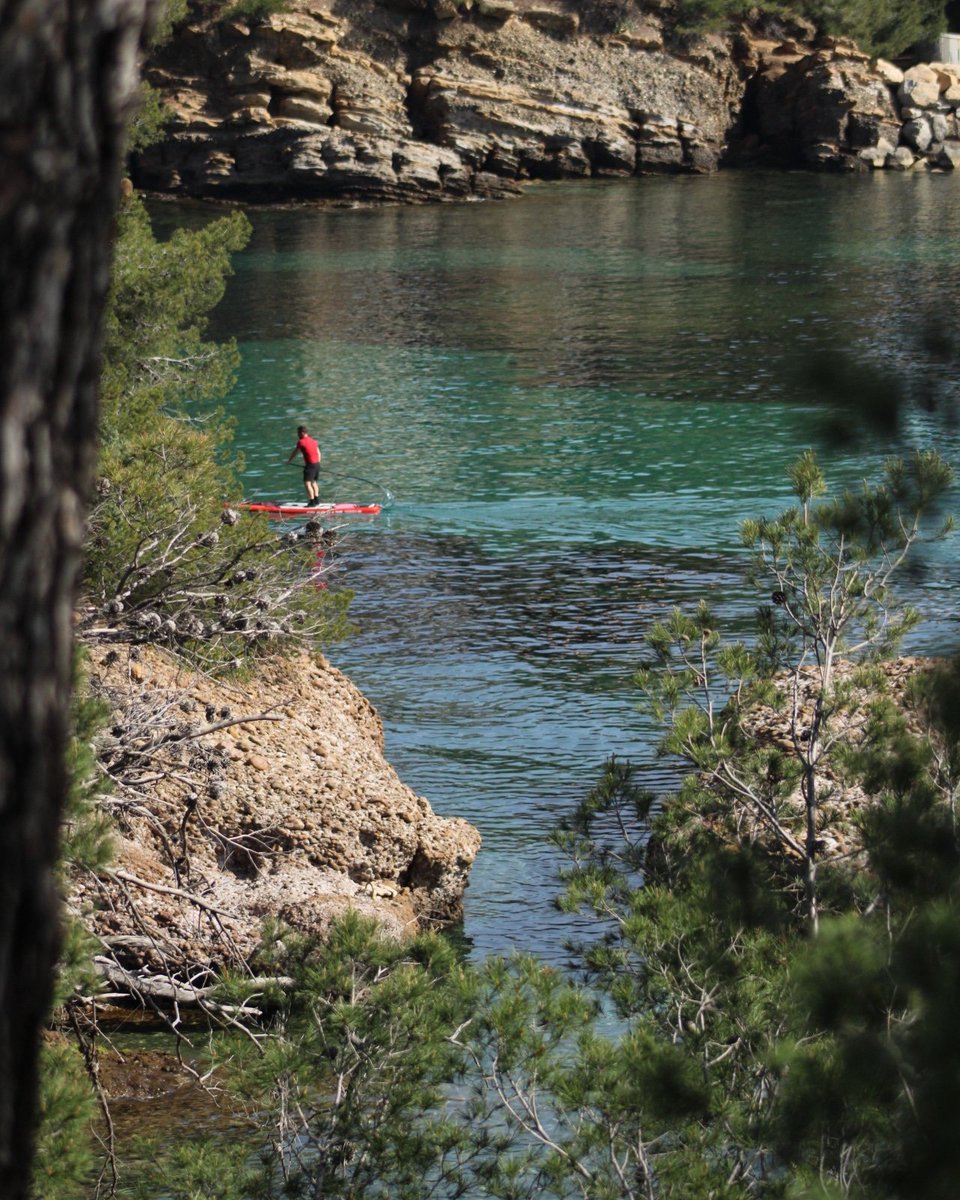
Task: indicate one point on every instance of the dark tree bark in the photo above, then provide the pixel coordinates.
(68, 76)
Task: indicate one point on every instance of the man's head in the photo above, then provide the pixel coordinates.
(301, 430)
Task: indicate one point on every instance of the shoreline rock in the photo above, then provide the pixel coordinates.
(244, 802)
(393, 103)
(412, 102)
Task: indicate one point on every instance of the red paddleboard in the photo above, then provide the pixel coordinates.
(324, 508)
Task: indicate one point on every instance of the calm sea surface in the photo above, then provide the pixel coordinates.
(573, 399)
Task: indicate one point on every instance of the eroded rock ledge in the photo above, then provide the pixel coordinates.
(242, 802)
(382, 101)
(405, 100)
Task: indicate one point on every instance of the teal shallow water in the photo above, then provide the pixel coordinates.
(574, 399)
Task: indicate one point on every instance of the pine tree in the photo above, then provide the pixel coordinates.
(163, 560)
(66, 77)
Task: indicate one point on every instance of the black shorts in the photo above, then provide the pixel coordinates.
(311, 472)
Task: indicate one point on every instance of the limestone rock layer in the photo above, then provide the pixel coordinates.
(409, 100)
(382, 101)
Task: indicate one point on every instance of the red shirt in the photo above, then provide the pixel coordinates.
(309, 449)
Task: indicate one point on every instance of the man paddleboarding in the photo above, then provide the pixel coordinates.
(311, 463)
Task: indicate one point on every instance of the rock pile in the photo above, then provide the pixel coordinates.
(928, 96)
(236, 803)
(835, 108)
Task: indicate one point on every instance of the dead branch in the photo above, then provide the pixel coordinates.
(124, 877)
(167, 989)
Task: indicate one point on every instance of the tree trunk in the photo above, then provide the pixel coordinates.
(68, 75)
(811, 802)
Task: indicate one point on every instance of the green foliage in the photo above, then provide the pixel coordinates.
(170, 14)
(880, 27)
(801, 1045)
(400, 1072)
(256, 10)
(870, 1079)
(162, 293)
(355, 1071)
(699, 16)
(207, 1170)
(693, 946)
(85, 832)
(721, 1046)
(164, 561)
(149, 121)
(66, 1148)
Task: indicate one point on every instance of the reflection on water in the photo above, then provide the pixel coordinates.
(575, 398)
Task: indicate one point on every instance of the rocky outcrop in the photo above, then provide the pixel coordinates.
(399, 102)
(237, 803)
(835, 108)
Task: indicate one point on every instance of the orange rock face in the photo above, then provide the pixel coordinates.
(267, 798)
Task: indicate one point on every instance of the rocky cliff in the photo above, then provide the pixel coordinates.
(399, 100)
(237, 803)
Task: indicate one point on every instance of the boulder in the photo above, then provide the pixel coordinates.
(919, 92)
(888, 72)
(902, 159)
(642, 35)
(874, 157)
(941, 125)
(917, 134)
(948, 75)
(497, 10)
(826, 156)
(293, 811)
(921, 73)
(949, 156)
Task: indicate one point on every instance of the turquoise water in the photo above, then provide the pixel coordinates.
(573, 398)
